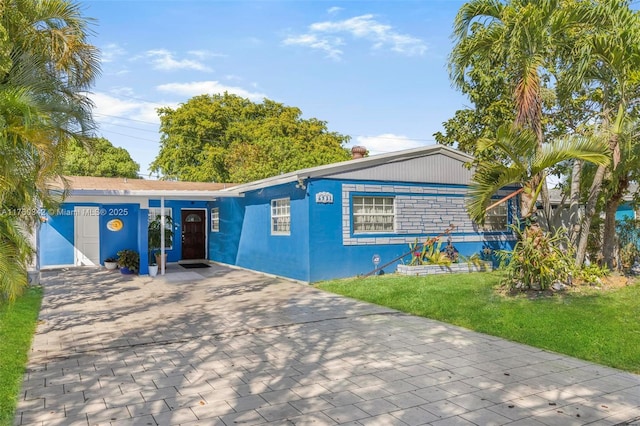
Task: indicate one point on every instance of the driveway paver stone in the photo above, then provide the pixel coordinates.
(223, 346)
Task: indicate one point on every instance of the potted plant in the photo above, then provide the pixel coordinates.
(153, 268)
(111, 263)
(129, 261)
(155, 237)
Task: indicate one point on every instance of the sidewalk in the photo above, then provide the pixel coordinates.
(222, 346)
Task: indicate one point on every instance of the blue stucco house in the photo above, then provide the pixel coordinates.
(310, 225)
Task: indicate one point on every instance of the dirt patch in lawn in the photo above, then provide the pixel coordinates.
(605, 284)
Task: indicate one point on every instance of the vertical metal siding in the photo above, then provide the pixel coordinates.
(432, 169)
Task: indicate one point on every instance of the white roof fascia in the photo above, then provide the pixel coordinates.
(170, 194)
(350, 165)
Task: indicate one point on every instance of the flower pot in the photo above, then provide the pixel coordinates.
(111, 265)
(126, 271)
(153, 270)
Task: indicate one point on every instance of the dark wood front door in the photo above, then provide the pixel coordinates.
(193, 234)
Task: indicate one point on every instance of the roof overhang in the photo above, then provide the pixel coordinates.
(193, 195)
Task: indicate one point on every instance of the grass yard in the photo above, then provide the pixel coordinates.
(17, 325)
(599, 326)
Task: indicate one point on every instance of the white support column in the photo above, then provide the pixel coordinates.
(162, 258)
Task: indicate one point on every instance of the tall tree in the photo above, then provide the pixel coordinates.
(525, 161)
(517, 38)
(224, 137)
(46, 67)
(611, 59)
(99, 158)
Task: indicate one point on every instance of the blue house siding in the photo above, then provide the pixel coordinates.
(258, 249)
(223, 245)
(625, 211)
(422, 211)
(56, 240)
(111, 242)
(57, 232)
(322, 245)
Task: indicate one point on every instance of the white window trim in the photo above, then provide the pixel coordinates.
(215, 219)
(272, 205)
(354, 215)
(504, 207)
(168, 211)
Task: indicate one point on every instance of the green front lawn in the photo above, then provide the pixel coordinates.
(599, 326)
(17, 325)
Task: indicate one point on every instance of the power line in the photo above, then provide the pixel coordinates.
(396, 138)
(353, 136)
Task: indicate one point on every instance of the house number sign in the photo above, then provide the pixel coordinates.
(115, 225)
(324, 198)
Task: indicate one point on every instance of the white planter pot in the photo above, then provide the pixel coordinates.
(110, 265)
(153, 270)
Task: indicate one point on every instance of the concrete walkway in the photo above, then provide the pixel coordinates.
(221, 346)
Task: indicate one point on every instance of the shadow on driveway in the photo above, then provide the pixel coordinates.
(224, 346)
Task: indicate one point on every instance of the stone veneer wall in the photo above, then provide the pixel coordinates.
(439, 269)
(420, 210)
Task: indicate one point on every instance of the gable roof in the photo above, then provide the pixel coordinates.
(343, 167)
(93, 186)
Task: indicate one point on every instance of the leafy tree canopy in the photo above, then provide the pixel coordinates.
(99, 158)
(46, 68)
(227, 138)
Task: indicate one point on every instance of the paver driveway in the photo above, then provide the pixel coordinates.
(222, 346)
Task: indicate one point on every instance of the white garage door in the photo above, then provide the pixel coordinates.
(87, 236)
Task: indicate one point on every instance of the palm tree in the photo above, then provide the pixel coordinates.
(610, 60)
(520, 38)
(525, 161)
(46, 66)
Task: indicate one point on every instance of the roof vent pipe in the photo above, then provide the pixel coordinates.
(358, 152)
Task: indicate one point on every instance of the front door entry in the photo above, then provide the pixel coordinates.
(193, 234)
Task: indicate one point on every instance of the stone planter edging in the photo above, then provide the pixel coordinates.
(441, 269)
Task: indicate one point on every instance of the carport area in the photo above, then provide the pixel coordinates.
(221, 346)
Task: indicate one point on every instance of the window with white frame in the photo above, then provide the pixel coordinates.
(215, 219)
(496, 219)
(281, 216)
(157, 211)
(373, 214)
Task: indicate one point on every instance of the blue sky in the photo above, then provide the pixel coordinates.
(373, 70)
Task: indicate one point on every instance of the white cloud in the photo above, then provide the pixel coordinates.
(164, 60)
(204, 54)
(323, 36)
(326, 44)
(111, 52)
(334, 10)
(207, 87)
(111, 110)
(122, 91)
(386, 142)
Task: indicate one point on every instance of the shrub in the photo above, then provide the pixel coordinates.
(537, 260)
(129, 259)
(430, 253)
(592, 273)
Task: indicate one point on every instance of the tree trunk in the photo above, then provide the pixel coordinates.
(574, 203)
(589, 211)
(610, 240)
(609, 243)
(546, 203)
(592, 201)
